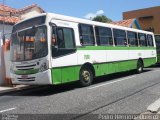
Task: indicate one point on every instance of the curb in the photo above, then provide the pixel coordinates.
(16, 89)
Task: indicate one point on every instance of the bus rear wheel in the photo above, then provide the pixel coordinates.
(86, 76)
(140, 66)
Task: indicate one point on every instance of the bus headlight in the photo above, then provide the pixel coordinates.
(43, 67)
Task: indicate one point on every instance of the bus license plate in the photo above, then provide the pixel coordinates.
(24, 76)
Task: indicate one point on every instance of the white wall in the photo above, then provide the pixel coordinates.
(31, 13)
(4, 56)
(2, 67)
(7, 28)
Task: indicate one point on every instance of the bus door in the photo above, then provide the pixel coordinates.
(63, 54)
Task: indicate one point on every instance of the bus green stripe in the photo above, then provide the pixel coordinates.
(158, 58)
(71, 73)
(26, 72)
(114, 48)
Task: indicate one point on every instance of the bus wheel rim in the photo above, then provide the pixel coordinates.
(140, 69)
(86, 76)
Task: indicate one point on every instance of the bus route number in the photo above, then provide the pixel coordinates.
(86, 57)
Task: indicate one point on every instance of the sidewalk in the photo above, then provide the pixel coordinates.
(5, 90)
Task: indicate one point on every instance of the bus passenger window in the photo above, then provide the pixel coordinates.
(120, 37)
(142, 40)
(86, 34)
(150, 40)
(103, 36)
(132, 38)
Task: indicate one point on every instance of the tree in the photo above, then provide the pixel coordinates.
(102, 18)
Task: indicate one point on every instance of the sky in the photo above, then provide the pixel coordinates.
(87, 9)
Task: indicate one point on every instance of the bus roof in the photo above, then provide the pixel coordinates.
(85, 21)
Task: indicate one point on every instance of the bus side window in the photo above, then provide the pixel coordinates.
(150, 40)
(66, 38)
(132, 38)
(60, 38)
(120, 37)
(103, 36)
(86, 34)
(65, 42)
(142, 39)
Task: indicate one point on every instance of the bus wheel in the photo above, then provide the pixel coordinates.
(86, 77)
(140, 66)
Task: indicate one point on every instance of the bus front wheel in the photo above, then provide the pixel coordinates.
(86, 76)
(140, 66)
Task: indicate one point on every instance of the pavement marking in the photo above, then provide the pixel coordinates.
(2, 111)
(154, 106)
(115, 81)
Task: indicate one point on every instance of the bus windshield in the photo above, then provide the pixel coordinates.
(29, 44)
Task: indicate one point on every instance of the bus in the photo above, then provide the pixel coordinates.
(53, 49)
(157, 39)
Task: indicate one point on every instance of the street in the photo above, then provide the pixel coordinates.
(122, 93)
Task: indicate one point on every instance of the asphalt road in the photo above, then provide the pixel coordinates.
(123, 93)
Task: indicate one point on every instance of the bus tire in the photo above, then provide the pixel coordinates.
(140, 66)
(86, 76)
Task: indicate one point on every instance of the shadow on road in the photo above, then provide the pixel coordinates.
(52, 90)
(155, 66)
(116, 76)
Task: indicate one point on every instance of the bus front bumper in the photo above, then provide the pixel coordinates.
(41, 78)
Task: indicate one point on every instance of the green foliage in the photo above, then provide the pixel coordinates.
(102, 18)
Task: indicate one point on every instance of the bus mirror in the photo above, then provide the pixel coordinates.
(52, 24)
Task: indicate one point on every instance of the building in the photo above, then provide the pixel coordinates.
(131, 23)
(148, 18)
(9, 16)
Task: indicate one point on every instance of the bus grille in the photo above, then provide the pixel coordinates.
(26, 79)
(28, 67)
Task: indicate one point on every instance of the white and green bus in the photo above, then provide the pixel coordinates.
(52, 49)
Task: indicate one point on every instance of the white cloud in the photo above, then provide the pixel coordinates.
(92, 15)
(100, 12)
